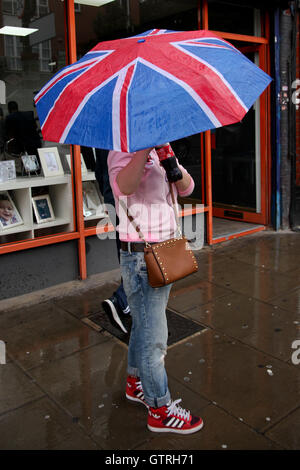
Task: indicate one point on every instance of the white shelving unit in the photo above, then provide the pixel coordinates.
(89, 176)
(21, 191)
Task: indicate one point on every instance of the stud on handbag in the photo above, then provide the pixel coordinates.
(170, 260)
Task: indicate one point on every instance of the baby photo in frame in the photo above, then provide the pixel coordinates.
(50, 161)
(9, 215)
(42, 207)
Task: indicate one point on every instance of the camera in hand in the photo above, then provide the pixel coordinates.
(169, 163)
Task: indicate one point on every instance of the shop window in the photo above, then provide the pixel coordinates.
(43, 50)
(36, 195)
(42, 8)
(13, 50)
(10, 7)
(233, 17)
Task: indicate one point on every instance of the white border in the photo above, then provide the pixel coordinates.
(47, 173)
(39, 220)
(21, 222)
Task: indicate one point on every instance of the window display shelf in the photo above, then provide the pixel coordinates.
(33, 181)
(89, 176)
(18, 229)
(39, 203)
(96, 217)
(53, 223)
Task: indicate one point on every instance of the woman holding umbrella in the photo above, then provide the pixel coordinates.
(128, 94)
(139, 180)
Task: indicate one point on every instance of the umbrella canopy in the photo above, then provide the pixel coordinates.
(138, 92)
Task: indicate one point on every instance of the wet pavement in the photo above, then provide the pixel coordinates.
(63, 383)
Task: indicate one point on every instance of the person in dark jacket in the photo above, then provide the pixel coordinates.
(115, 306)
(21, 126)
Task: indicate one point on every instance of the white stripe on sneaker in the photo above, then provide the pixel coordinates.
(115, 315)
(174, 425)
(170, 422)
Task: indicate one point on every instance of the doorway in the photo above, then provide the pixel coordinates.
(238, 158)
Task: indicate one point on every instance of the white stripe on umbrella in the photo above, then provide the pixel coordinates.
(211, 67)
(117, 126)
(68, 85)
(211, 116)
(70, 69)
(85, 100)
(156, 32)
(116, 109)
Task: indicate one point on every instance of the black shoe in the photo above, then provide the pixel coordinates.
(114, 312)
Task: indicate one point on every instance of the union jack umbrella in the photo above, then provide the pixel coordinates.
(138, 92)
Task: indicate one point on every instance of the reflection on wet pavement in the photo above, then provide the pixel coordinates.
(63, 383)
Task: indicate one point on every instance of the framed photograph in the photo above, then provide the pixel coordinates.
(7, 170)
(50, 161)
(42, 208)
(83, 165)
(92, 201)
(9, 215)
(30, 163)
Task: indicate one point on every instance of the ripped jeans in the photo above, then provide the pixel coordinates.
(149, 331)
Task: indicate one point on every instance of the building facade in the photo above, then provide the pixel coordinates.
(247, 175)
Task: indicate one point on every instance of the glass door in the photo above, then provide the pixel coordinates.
(237, 162)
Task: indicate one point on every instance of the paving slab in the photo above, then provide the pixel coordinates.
(257, 282)
(287, 431)
(90, 385)
(290, 301)
(86, 303)
(44, 333)
(193, 291)
(16, 388)
(266, 256)
(262, 325)
(41, 425)
(242, 380)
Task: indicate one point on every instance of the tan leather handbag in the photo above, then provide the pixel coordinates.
(170, 260)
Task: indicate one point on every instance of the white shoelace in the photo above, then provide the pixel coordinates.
(174, 409)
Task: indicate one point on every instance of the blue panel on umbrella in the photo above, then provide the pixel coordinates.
(47, 101)
(162, 106)
(248, 83)
(98, 131)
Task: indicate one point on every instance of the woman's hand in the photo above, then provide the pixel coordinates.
(183, 184)
(130, 176)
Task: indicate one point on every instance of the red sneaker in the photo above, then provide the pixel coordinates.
(134, 390)
(173, 418)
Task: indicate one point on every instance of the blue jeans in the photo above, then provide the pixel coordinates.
(149, 331)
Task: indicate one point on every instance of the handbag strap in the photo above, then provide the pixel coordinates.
(132, 221)
(137, 228)
(175, 208)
